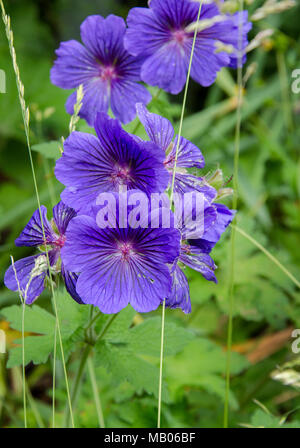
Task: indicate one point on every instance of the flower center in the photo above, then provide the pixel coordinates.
(108, 73)
(179, 36)
(60, 241)
(126, 250)
(121, 175)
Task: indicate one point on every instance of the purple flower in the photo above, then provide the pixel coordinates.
(161, 132)
(194, 253)
(212, 234)
(196, 259)
(120, 265)
(109, 74)
(161, 35)
(91, 165)
(31, 272)
(241, 25)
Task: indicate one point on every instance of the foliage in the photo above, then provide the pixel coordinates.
(267, 303)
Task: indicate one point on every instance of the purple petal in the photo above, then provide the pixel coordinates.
(70, 279)
(124, 96)
(180, 293)
(104, 37)
(110, 280)
(77, 169)
(188, 155)
(206, 63)
(147, 172)
(212, 235)
(145, 33)
(74, 66)
(62, 215)
(185, 182)
(89, 166)
(95, 99)
(199, 261)
(193, 230)
(167, 68)
(234, 37)
(175, 13)
(89, 30)
(24, 267)
(159, 129)
(32, 235)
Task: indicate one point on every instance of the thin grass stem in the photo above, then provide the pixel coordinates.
(234, 206)
(25, 116)
(54, 376)
(84, 357)
(23, 302)
(161, 363)
(171, 200)
(268, 254)
(23, 363)
(96, 392)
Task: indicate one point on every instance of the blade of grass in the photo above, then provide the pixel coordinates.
(171, 200)
(23, 301)
(268, 254)
(234, 206)
(25, 116)
(54, 376)
(161, 363)
(84, 357)
(96, 393)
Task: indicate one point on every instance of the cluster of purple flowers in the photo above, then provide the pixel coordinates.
(155, 49)
(111, 266)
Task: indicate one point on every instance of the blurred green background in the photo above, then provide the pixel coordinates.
(267, 303)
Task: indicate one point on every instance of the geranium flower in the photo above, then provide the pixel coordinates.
(91, 165)
(161, 132)
(194, 253)
(109, 74)
(120, 264)
(29, 273)
(160, 33)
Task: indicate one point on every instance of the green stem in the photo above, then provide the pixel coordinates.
(171, 200)
(54, 376)
(77, 381)
(23, 363)
(285, 91)
(161, 363)
(184, 101)
(25, 116)
(83, 360)
(234, 206)
(96, 392)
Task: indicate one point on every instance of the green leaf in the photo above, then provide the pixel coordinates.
(50, 150)
(261, 419)
(145, 338)
(127, 351)
(39, 321)
(201, 365)
(123, 365)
